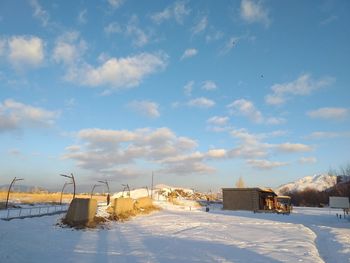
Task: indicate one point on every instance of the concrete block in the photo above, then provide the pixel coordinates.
(81, 211)
(123, 205)
(143, 202)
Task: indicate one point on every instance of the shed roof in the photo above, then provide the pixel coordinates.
(266, 190)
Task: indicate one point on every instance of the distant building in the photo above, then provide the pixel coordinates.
(251, 199)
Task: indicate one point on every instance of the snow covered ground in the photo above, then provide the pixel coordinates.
(181, 234)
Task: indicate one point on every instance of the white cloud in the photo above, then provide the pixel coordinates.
(200, 26)
(139, 37)
(190, 52)
(147, 108)
(121, 173)
(15, 115)
(103, 151)
(201, 103)
(217, 120)
(265, 164)
(175, 104)
(70, 103)
(275, 120)
(328, 135)
(217, 153)
(187, 167)
(302, 86)
(213, 35)
(132, 30)
(178, 11)
(82, 17)
(247, 109)
(119, 72)
(250, 145)
(69, 48)
(329, 20)
(25, 51)
(253, 12)
(40, 13)
(329, 113)
(209, 85)
(101, 137)
(229, 44)
(2, 46)
(188, 88)
(306, 160)
(112, 28)
(116, 3)
(293, 147)
(73, 148)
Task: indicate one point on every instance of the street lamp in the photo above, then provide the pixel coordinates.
(126, 186)
(71, 176)
(93, 188)
(106, 183)
(8, 192)
(65, 184)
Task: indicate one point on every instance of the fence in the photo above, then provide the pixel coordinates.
(13, 213)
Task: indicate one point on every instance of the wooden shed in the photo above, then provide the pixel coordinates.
(251, 199)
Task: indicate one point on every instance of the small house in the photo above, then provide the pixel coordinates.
(251, 199)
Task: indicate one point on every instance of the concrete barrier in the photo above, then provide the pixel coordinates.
(143, 202)
(81, 211)
(123, 205)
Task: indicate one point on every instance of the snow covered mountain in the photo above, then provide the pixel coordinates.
(318, 182)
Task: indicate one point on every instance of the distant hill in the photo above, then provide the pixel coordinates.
(319, 182)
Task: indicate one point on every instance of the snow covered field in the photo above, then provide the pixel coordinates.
(178, 234)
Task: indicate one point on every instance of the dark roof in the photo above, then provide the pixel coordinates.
(250, 189)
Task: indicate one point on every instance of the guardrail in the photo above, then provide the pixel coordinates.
(13, 213)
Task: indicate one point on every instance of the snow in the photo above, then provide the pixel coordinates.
(319, 182)
(137, 193)
(181, 234)
(160, 192)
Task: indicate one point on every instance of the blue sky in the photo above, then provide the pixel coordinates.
(199, 92)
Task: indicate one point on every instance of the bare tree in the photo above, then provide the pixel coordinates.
(240, 183)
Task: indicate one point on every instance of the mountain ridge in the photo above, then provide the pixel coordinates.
(319, 182)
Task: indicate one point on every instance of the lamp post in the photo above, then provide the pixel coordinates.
(65, 184)
(108, 196)
(93, 188)
(126, 186)
(106, 183)
(8, 192)
(71, 176)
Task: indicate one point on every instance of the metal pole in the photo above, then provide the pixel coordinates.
(8, 192)
(92, 190)
(65, 184)
(73, 185)
(106, 183)
(73, 181)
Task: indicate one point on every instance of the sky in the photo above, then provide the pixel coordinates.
(198, 92)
